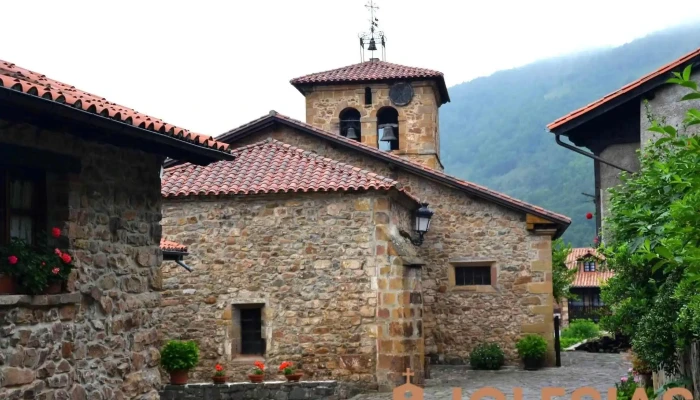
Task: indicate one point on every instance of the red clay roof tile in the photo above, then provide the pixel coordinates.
(167, 245)
(477, 190)
(373, 71)
(271, 166)
(583, 278)
(625, 89)
(33, 83)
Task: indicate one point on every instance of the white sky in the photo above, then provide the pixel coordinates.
(210, 66)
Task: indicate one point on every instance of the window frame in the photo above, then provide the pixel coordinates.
(38, 208)
(491, 287)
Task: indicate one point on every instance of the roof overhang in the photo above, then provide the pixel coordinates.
(17, 105)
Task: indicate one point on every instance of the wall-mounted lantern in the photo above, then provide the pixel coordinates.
(423, 216)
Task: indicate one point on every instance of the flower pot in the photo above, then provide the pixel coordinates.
(532, 364)
(294, 377)
(8, 285)
(218, 380)
(54, 288)
(178, 377)
(256, 378)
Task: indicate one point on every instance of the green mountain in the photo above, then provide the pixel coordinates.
(494, 130)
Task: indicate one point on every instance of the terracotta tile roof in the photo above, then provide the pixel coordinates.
(373, 71)
(659, 73)
(587, 279)
(167, 245)
(271, 166)
(33, 83)
(469, 187)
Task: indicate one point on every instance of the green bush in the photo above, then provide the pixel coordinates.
(568, 342)
(532, 347)
(487, 356)
(581, 329)
(179, 355)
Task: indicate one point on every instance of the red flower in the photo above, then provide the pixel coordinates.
(43, 263)
(12, 260)
(57, 252)
(589, 216)
(66, 258)
(55, 271)
(56, 232)
(219, 367)
(285, 364)
(260, 365)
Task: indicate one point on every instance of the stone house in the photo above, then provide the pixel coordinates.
(90, 167)
(616, 126)
(292, 260)
(590, 276)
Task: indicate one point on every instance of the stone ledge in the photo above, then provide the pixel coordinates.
(273, 390)
(40, 300)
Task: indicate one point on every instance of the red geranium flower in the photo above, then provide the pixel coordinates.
(219, 367)
(260, 365)
(56, 232)
(12, 260)
(66, 258)
(57, 252)
(55, 271)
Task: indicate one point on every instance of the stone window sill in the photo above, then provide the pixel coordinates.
(40, 300)
(246, 359)
(474, 288)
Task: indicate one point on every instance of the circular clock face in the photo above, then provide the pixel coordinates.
(401, 93)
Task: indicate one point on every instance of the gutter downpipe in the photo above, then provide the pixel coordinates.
(589, 155)
(183, 265)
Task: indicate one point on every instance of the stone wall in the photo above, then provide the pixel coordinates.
(330, 390)
(99, 342)
(418, 121)
(464, 229)
(311, 260)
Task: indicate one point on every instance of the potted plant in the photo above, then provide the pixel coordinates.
(34, 268)
(257, 375)
(177, 358)
(220, 375)
(487, 356)
(532, 350)
(290, 372)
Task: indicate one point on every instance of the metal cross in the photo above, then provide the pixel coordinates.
(408, 374)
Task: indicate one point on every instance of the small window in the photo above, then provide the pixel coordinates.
(589, 266)
(252, 342)
(368, 96)
(469, 276)
(23, 204)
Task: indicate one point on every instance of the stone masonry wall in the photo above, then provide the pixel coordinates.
(311, 260)
(465, 229)
(98, 342)
(418, 121)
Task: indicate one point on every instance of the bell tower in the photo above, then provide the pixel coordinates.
(388, 106)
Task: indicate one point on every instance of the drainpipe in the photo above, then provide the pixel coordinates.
(589, 155)
(183, 265)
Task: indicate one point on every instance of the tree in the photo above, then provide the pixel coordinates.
(653, 244)
(562, 276)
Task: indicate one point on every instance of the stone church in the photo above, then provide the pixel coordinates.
(313, 244)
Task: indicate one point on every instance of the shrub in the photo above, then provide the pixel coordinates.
(487, 356)
(532, 347)
(568, 342)
(179, 355)
(581, 329)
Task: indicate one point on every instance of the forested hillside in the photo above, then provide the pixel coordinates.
(494, 130)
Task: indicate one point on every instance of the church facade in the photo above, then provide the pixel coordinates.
(304, 247)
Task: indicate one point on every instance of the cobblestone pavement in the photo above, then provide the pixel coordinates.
(578, 369)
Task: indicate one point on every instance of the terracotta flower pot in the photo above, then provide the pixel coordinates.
(256, 378)
(8, 285)
(54, 288)
(219, 379)
(178, 377)
(294, 377)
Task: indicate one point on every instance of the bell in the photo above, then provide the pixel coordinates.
(351, 134)
(372, 45)
(388, 134)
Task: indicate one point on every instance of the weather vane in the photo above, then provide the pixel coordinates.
(370, 39)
